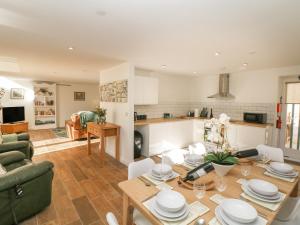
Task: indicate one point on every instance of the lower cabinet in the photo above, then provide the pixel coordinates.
(160, 137)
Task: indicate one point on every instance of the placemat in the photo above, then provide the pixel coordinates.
(196, 209)
(281, 178)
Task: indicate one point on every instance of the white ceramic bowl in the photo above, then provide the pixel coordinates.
(263, 187)
(170, 201)
(281, 167)
(162, 169)
(239, 210)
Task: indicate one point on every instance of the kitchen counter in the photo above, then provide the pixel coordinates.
(182, 118)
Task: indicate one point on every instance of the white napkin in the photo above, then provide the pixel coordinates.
(196, 209)
(217, 198)
(279, 177)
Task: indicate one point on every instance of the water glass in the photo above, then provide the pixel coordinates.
(245, 170)
(220, 183)
(199, 189)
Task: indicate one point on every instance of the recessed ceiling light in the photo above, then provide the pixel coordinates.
(245, 64)
(195, 72)
(217, 53)
(71, 48)
(163, 66)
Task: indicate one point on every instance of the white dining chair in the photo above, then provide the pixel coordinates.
(197, 148)
(111, 219)
(289, 212)
(175, 156)
(274, 154)
(136, 169)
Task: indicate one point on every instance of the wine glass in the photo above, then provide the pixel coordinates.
(220, 183)
(245, 170)
(265, 158)
(199, 189)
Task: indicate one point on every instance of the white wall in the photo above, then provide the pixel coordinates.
(172, 88)
(121, 113)
(66, 105)
(64, 95)
(27, 102)
(259, 86)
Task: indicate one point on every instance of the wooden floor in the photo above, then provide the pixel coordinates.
(83, 192)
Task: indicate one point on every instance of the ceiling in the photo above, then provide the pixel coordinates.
(184, 35)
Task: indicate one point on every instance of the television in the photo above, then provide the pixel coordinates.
(13, 114)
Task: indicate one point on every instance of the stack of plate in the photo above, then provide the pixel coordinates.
(236, 212)
(282, 170)
(162, 172)
(170, 206)
(262, 190)
(193, 159)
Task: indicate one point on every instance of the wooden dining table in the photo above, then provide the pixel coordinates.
(135, 192)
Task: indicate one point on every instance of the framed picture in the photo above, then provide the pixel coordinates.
(79, 96)
(17, 93)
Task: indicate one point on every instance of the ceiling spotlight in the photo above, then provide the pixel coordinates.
(71, 48)
(245, 64)
(195, 72)
(217, 53)
(163, 66)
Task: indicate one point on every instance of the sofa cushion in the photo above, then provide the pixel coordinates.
(2, 170)
(1, 140)
(9, 138)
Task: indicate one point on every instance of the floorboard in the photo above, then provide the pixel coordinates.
(83, 191)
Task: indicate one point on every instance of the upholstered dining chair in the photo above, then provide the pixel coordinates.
(136, 169)
(111, 219)
(274, 154)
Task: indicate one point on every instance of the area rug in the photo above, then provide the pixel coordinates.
(60, 132)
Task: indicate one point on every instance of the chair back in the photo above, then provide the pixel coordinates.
(274, 154)
(197, 148)
(111, 219)
(138, 168)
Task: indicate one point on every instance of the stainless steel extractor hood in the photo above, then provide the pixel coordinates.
(223, 88)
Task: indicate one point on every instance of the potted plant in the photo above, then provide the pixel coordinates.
(220, 157)
(222, 161)
(101, 115)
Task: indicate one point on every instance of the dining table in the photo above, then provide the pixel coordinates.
(135, 192)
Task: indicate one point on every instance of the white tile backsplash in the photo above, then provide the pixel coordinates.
(233, 109)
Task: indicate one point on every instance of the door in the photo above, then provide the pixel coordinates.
(290, 132)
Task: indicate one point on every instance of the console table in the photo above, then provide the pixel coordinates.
(9, 128)
(103, 131)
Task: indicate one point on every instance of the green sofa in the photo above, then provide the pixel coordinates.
(22, 144)
(25, 189)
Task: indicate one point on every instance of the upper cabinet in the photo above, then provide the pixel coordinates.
(145, 90)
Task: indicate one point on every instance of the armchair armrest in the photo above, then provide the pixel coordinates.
(7, 158)
(24, 174)
(23, 137)
(13, 146)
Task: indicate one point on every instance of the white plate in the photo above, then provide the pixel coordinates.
(225, 220)
(170, 201)
(167, 218)
(164, 178)
(259, 198)
(263, 187)
(281, 167)
(287, 175)
(274, 197)
(246, 212)
(160, 169)
(170, 214)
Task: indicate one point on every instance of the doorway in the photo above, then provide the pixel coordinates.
(290, 131)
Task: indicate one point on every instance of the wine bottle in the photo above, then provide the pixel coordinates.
(246, 153)
(199, 171)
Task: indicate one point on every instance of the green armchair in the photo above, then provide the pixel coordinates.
(23, 144)
(25, 189)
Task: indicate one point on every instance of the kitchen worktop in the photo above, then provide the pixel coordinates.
(182, 118)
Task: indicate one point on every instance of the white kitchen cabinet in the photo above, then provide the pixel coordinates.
(198, 132)
(169, 135)
(146, 90)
